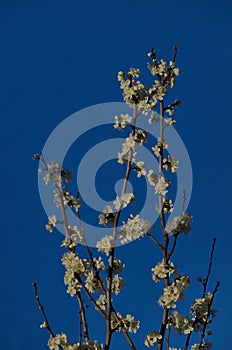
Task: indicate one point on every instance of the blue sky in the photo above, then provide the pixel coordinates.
(58, 57)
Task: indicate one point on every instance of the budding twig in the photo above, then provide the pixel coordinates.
(41, 308)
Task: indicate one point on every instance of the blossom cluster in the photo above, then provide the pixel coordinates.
(134, 228)
(159, 182)
(174, 292)
(123, 201)
(53, 173)
(179, 224)
(162, 270)
(180, 323)
(167, 72)
(205, 346)
(135, 92)
(124, 324)
(52, 221)
(170, 163)
(73, 265)
(106, 244)
(152, 338)
(121, 121)
(202, 309)
(60, 341)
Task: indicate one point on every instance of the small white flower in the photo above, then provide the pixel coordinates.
(152, 338)
(133, 229)
(161, 186)
(106, 244)
(123, 201)
(140, 168)
(121, 121)
(152, 178)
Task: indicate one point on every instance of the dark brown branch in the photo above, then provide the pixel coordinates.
(41, 308)
(83, 322)
(77, 276)
(205, 281)
(163, 224)
(155, 241)
(175, 48)
(208, 314)
(173, 246)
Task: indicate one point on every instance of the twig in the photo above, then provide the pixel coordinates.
(41, 308)
(205, 281)
(83, 321)
(77, 276)
(155, 240)
(208, 314)
(173, 246)
(183, 202)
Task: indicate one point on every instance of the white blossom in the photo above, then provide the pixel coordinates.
(152, 178)
(107, 217)
(180, 323)
(134, 228)
(201, 308)
(101, 301)
(53, 173)
(73, 264)
(205, 346)
(55, 342)
(161, 186)
(152, 338)
(60, 342)
(179, 224)
(124, 324)
(117, 284)
(174, 292)
(140, 168)
(170, 163)
(92, 283)
(123, 201)
(99, 263)
(167, 206)
(52, 221)
(106, 244)
(161, 270)
(128, 151)
(121, 121)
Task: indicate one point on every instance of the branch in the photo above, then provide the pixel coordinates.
(205, 281)
(208, 314)
(165, 235)
(83, 321)
(155, 241)
(41, 308)
(77, 276)
(173, 246)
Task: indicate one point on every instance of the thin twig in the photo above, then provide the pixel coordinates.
(77, 276)
(173, 246)
(41, 308)
(205, 281)
(155, 240)
(83, 322)
(183, 202)
(208, 314)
